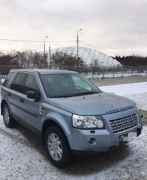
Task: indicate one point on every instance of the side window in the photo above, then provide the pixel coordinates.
(30, 83)
(18, 82)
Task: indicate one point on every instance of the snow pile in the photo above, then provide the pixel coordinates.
(135, 91)
(89, 56)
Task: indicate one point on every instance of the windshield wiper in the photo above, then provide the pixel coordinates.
(77, 94)
(85, 93)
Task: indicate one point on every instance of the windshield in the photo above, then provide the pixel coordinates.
(66, 85)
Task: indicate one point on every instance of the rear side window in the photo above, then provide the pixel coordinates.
(18, 82)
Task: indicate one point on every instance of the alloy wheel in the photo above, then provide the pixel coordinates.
(55, 147)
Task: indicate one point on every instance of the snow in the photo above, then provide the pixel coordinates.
(135, 91)
(22, 157)
(89, 55)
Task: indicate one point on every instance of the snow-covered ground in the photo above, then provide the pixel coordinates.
(134, 91)
(22, 157)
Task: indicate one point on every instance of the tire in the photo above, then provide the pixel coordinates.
(57, 147)
(7, 117)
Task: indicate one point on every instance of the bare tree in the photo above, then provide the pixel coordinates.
(64, 61)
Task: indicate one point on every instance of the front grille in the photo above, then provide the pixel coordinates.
(119, 125)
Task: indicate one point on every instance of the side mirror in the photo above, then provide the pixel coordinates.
(3, 81)
(33, 95)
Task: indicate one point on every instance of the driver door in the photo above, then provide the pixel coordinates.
(30, 107)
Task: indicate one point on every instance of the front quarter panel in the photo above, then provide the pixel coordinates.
(59, 116)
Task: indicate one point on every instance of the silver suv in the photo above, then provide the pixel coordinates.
(69, 112)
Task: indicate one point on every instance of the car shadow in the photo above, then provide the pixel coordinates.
(84, 163)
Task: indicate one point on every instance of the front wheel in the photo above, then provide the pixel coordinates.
(57, 147)
(7, 118)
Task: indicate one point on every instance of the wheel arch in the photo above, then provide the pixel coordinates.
(50, 123)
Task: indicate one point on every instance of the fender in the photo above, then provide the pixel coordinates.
(64, 122)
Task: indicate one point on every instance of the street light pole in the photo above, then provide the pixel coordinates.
(78, 42)
(77, 45)
(44, 48)
(50, 56)
(44, 45)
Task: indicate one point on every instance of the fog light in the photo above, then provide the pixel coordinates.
(92, 141)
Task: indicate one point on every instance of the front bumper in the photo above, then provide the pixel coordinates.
(98, 140)
(103, 139)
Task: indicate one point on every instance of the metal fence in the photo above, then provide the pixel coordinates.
(101, 73)
(100, 76)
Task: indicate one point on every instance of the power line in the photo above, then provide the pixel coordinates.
(16, 40)
(34, 41)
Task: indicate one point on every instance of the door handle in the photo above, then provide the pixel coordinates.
(21, 100)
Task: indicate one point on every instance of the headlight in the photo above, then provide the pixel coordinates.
(87, 122)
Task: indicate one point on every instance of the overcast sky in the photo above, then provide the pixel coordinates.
(111, 26)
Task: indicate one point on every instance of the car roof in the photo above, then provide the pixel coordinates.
(44, 71)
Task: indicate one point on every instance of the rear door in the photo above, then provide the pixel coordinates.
(5, 90)
(17, 94)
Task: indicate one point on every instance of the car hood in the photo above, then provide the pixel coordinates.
(96, 104)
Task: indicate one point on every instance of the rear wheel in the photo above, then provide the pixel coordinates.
(57, 147)
(7, 118)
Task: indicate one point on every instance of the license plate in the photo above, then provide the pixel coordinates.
(128, 137)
